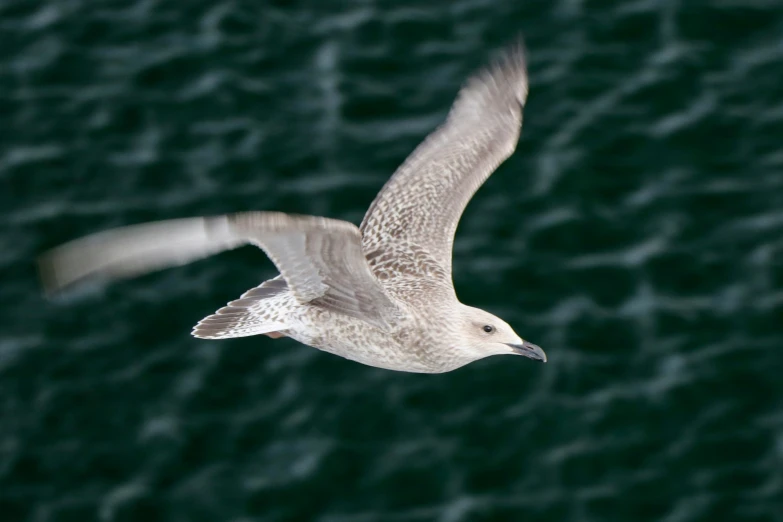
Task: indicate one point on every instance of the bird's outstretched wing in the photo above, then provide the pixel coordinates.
(418, 209)
(321, 259)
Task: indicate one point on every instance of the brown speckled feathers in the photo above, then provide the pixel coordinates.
(420, 206)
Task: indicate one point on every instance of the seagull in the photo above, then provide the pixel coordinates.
(380, 294)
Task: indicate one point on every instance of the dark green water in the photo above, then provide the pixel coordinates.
(637, 235)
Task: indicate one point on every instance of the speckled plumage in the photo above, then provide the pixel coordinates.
(382, 294)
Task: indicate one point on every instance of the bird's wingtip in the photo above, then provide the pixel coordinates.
(510, 64)
(506, 74)
(47, 275)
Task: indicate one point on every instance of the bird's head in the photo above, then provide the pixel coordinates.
(484, 334)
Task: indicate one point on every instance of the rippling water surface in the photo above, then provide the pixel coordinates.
(637, 235)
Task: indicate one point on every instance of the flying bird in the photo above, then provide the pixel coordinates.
(380, 294)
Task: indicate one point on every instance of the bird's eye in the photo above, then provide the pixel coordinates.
(489, 328)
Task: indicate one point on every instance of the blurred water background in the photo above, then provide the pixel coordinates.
(637, 235)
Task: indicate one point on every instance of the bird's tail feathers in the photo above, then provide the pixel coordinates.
(261, 310)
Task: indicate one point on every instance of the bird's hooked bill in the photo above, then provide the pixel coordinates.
(529, 350)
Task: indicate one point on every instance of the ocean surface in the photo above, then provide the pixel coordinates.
(636, 235)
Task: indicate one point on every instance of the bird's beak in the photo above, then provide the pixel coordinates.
(529, 350)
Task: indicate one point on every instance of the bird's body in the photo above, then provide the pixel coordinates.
(382, 294)
(408, 345)
(413, 342)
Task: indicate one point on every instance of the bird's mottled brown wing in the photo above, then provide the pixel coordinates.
(415, 215)
(320, 259)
